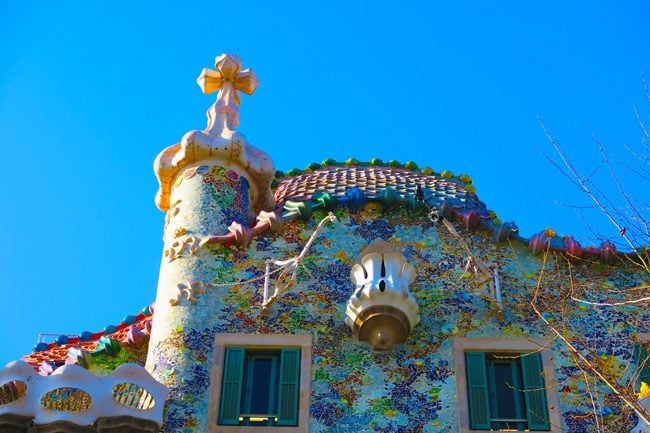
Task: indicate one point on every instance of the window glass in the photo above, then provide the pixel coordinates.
(506, 391)
(261, 386)
(257, 392)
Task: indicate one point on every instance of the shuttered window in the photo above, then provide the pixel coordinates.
(231, 386)
(260, 387)
(506, 391)
(288, 387)
(642, 364)
(477, 390)
(534, 392)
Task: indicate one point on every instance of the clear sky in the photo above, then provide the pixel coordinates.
(90, 92)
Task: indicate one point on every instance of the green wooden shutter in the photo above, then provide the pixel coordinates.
(231, 386)
(288, 387)
(534, 392)
(642, 364)
(477, 390)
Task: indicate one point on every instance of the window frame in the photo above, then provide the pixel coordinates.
(260, 342)
(253, 356)
(515, 380)
(640, 350)
(508, 345)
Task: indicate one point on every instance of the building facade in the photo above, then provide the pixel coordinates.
(356, 296)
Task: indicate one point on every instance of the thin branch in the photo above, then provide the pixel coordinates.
(591, 398)
(482, 267)
(612, 304)
(635, 406)
(585, 188)
(618, 183)
(644, 84)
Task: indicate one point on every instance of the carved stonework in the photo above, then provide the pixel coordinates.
(61, 427)
(10, 423)
(72, 398)
(125, 424)
(382, 311)
(219, 142)
(641, 426)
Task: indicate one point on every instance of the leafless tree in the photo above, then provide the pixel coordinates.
(630, 217)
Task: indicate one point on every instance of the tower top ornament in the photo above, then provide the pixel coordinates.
(219, 143)
(227, 79)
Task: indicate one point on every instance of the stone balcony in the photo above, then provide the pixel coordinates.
(72, 400)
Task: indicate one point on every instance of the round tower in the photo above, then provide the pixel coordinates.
(212, 182)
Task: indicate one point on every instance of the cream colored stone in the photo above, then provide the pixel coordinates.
(381, 277)
(219, 141)
(99, 388)
(642, 426)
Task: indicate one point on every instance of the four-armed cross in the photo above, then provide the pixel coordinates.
(228, 78)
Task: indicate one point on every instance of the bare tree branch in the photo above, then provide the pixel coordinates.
(602, 202)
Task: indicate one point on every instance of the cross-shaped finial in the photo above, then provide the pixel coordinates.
(228, 78)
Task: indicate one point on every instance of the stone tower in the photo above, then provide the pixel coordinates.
(212, 179)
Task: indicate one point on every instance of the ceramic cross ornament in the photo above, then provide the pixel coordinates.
(220, 144)
(227, 79)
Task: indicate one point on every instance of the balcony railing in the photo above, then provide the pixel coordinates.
(72, 394)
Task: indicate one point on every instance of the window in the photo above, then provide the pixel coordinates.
(260, 383)
(260, 387)
(505, 385)
(506, 391)
(640, 354)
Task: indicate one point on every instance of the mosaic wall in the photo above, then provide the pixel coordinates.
(212, 289)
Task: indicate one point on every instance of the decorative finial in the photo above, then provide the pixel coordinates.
(228, 78)
(219, 144)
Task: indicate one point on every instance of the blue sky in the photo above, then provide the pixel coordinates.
(90, 92)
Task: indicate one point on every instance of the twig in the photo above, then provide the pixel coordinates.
(490, 277)
(584, 187)
(640, 412)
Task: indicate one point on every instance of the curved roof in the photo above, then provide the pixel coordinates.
(372, 181)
